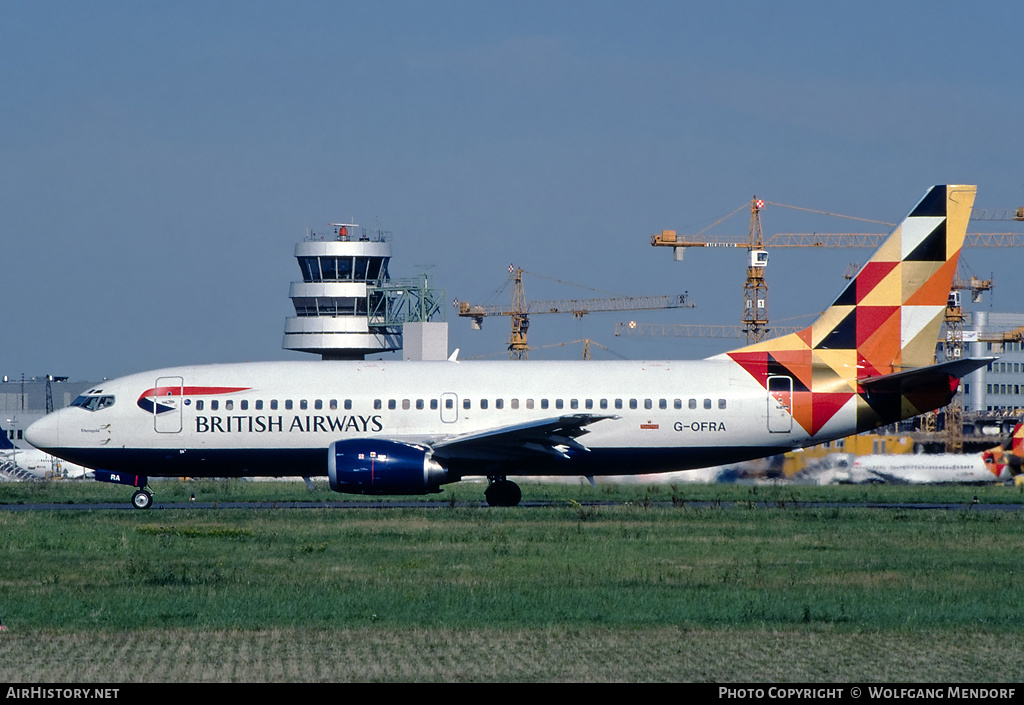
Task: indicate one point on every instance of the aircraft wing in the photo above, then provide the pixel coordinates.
(546, 437)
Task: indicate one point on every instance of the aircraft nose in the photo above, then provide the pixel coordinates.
(44, 434)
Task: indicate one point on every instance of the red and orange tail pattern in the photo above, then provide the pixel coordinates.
(1010, 455)
(887, 320)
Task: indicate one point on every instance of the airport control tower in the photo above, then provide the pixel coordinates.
(347, 306)
(333, 300)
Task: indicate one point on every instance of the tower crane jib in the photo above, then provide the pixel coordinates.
(521, 310)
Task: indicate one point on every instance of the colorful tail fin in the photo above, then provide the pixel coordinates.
(886, 321)
(1007, 456)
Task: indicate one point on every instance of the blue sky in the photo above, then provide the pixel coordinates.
(160, 159)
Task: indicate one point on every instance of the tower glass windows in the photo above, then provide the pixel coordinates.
(343, 269)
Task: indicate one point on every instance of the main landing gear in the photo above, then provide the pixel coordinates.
(502, 493)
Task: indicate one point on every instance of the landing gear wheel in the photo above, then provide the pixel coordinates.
(503, 493)
(142, 500)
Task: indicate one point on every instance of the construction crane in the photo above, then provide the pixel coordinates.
(696, 330)
(755, 288)
(757, 245)
(521, 310)
(587, 342)
(669, 238)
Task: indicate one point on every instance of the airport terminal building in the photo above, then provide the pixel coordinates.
(1000, 386)
(24, 399)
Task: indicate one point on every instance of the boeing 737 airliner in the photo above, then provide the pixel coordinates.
(410, 427)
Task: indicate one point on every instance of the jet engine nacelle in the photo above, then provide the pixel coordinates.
(365, 466)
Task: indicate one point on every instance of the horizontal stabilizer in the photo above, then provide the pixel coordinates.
(929, 378)
(893, 397)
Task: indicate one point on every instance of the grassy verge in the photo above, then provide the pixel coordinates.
(174, 491)
(772, 590)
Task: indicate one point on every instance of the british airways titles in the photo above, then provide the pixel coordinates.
(299, 424)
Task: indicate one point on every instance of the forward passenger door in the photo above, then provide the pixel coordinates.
(168, 398)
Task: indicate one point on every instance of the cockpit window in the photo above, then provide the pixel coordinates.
(94, 402)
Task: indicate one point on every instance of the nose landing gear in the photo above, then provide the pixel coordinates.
(143, 497)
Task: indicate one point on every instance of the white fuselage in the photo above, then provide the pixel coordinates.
(39, 465)
(278, 418)
(915, 469)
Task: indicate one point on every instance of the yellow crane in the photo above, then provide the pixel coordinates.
(755, 311)
(521, 310)
(695, 330)
(755, 319)
(587, 342)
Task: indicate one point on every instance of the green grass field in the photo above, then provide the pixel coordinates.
(762, 587)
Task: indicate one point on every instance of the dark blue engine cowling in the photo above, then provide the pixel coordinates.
(366, 466)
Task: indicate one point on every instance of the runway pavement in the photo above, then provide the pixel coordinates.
(384, 504)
